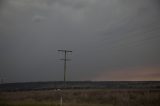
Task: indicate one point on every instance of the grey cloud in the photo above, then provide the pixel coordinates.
(1, 3)
(76, 4)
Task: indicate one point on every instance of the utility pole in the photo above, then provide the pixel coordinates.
(65, 68)
(65, 61)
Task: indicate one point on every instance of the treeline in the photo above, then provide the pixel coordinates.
(80, 85)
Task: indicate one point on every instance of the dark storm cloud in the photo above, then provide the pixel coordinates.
(1, 2)
(104, 35)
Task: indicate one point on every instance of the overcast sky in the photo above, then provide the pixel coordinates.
(110, 40)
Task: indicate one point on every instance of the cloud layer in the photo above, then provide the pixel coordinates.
(103, 34)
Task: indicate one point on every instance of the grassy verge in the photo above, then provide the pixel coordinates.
(81, 98)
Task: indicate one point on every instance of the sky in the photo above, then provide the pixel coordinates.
(111, 40)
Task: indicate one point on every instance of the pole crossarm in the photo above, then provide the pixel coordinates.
(64, 50)
(66, 59)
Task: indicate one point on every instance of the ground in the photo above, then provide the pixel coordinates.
(94, 97)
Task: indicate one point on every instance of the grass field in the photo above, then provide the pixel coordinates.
(81, 98)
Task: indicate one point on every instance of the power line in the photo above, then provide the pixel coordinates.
(120, 43)
(65, 61)
(135, 43)
(132, 35)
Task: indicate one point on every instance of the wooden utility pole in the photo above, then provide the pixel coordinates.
(65, 61)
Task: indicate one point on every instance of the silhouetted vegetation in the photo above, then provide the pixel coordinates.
(80, 85)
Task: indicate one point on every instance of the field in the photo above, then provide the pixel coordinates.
(90, 97)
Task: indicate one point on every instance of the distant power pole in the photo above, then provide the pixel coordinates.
(65, 61)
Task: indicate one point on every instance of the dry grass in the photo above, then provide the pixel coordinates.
(81, 98)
